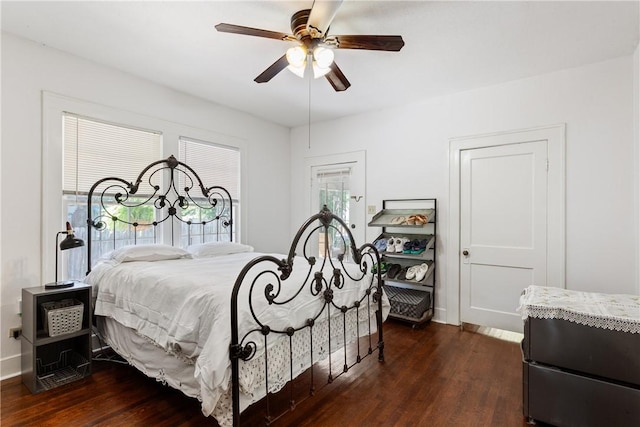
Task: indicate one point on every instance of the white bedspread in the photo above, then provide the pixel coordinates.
(183, 306)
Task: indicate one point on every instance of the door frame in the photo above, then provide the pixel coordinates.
(555, 137)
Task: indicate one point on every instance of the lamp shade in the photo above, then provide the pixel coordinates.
(71, 241)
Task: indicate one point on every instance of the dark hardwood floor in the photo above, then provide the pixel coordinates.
(434, 376)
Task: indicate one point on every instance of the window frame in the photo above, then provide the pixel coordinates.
(192, 238)
(52, 214)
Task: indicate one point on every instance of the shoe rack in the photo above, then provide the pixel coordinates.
(411, 224)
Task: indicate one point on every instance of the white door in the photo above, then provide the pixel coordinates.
(503, 230)
(340, 186)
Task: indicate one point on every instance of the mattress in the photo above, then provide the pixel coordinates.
(179, 309)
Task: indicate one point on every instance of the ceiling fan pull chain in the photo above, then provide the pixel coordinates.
(309, 128)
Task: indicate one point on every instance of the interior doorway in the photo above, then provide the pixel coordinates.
(507, 223)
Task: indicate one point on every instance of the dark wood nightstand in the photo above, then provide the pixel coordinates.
(56, 336)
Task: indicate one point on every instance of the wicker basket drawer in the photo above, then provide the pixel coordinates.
(62, 317)
(408, 302)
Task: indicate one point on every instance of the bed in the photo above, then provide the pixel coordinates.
(581, 357)
(211, 317)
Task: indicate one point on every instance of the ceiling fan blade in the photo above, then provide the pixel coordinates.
(321, 15)
(248, 31)
(389, 43)
(273, 69)
(337, 79)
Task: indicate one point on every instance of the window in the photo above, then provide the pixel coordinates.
(217, 165)
(85, 141)
(93, 150)
(334, 190)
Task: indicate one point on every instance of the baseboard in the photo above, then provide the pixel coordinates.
(439, 315)
(10, 367)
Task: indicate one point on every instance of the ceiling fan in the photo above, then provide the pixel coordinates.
(314, 47)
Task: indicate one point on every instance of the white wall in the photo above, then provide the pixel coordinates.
(27, 70)
(407, 156)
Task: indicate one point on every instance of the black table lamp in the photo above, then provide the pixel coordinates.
(69, 242)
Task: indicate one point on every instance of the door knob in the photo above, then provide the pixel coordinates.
(465, 252)
(353, 226)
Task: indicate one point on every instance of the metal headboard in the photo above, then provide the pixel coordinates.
(169, 187)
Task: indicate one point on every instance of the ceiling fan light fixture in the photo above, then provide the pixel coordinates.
(319, 71)
(297, 56)
(323, 56)
(298, 71)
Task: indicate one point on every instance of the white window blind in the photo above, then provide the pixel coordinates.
(334, 175)
(215, 164)
(95, 150)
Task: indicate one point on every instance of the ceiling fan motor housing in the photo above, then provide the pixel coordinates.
(299, 23)
(309, 37)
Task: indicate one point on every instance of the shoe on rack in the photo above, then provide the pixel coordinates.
(407, 247)
(403, 274)
(423, 243)
(411, 272)
(391, 244)
(383, 268)
(414, 247)
(398, 220)
(380, 245)
(393, 270)
(421, 271)
(399, 244)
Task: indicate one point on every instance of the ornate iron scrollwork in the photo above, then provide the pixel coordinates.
(246, 352)
(269, 284)
(328, 295)
(318, 283)
(167, 202)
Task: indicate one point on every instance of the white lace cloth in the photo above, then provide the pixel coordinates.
(616, 312)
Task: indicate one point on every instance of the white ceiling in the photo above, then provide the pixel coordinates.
(450, 46)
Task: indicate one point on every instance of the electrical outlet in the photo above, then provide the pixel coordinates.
(15, 333)
(371, 209)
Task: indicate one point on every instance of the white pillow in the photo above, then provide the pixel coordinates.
(155, 252)
(211, 249)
